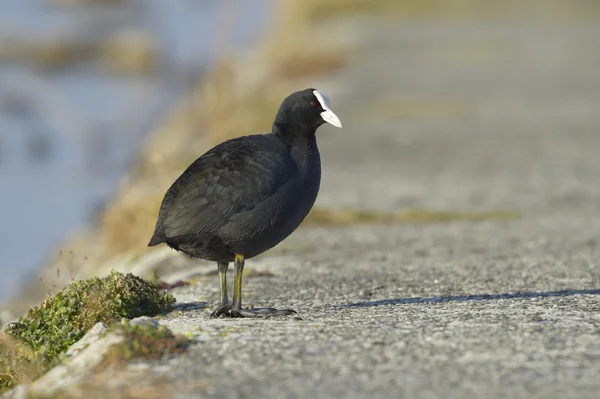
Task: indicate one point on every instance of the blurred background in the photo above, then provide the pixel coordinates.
(82, 84)
(451, 109)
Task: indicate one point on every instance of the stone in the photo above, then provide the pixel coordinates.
(93, 335)
(77, 368)
(144, 321)
(18, 392)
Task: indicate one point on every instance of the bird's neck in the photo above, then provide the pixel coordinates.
(292, 134)
(303, 147)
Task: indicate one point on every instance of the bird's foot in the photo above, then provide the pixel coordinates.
(260, 312)
(227, 310)
(222, 310)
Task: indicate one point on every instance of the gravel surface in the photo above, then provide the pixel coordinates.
(460, 310)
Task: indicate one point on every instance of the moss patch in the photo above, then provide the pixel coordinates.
(142, 342)
(31, 345)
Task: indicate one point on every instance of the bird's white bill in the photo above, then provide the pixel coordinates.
(329, 117)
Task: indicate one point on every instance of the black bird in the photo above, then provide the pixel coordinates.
(247, 194)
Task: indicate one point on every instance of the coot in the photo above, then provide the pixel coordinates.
(247, 194)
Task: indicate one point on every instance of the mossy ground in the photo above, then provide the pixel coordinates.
(36, 341)
(142, 341)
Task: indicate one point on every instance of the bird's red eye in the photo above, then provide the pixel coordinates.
(313, 104)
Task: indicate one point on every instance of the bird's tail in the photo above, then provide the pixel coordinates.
(156, 239)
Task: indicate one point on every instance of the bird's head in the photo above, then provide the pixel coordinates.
(306, 110)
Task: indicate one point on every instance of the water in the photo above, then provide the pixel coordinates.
(68, 136)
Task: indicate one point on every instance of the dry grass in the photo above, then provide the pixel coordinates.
(314, 10)
(129, 223)
(124, 52)
(343, 217)
(18, 362)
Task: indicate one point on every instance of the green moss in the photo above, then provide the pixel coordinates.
(142, 341)
(36, 341)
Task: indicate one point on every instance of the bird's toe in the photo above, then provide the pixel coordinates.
(221, 310)
(261, 312)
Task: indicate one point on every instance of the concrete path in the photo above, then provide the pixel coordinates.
(462, 116)
(494, 310)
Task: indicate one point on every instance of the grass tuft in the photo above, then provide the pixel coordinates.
(343, 217)
(18, 362)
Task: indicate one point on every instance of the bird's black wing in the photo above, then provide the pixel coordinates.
(233, 177)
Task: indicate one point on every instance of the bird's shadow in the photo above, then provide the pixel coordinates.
(190, 306)
(465, 298)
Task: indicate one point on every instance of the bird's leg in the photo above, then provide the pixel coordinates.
(236, 307)
(225, 305)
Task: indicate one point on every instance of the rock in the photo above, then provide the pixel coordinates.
(93, 335)
(18, 392)
(77, 368)
(144, 321)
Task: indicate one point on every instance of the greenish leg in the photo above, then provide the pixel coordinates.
(225, 305)
(223, 279)
(238, 265)
(236, 307)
